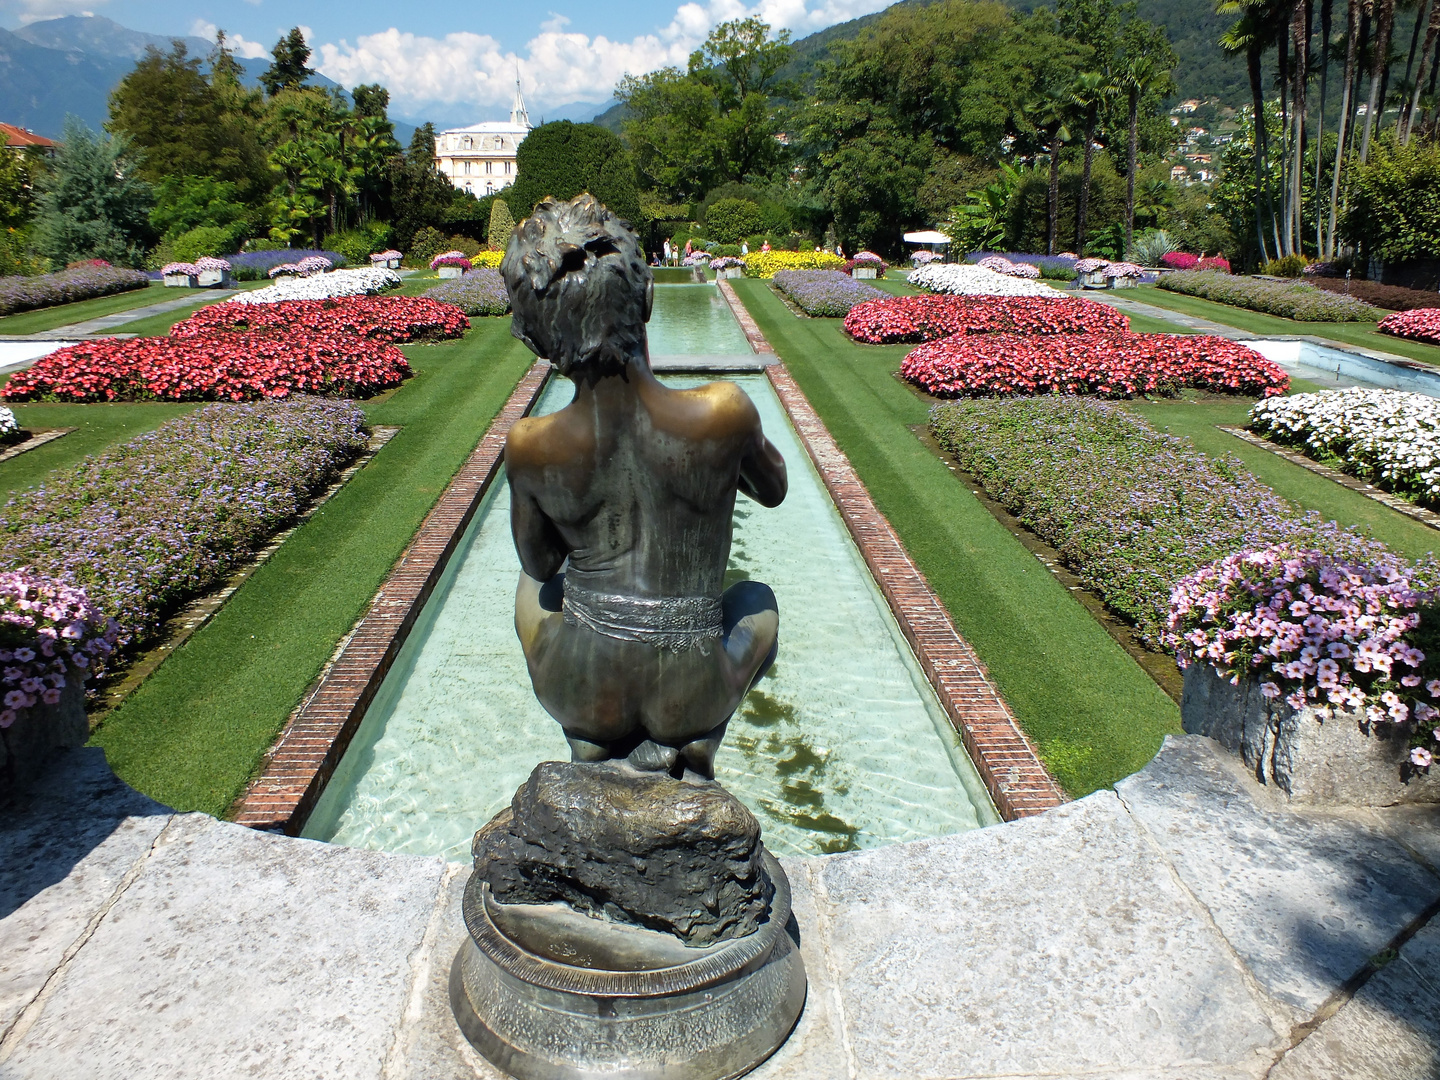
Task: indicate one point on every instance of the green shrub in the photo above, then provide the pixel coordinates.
(502, 224)
(261, 243)
(428, 243)
(1287, 266)
(206, 240)
(725, 249)
(730, 219)
(463, 244)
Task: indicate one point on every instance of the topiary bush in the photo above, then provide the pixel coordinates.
(729, 219)
(502, 224)
(1287, 266)
(206, 240)
(562, 159)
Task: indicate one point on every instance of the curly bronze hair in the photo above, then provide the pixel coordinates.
(580, 291)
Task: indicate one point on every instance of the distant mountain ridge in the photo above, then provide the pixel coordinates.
(70, 65)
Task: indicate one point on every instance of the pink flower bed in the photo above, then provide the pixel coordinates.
(1318, 631)
(50, 632)
(1117, 364)
(1421, 324)
(1179, 260)
(925, 318)
(395, 319)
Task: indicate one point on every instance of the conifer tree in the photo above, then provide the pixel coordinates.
(502, 224)
(287, 71)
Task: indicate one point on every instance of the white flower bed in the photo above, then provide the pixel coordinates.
(963, 279)
(1384, 435)
(8, 424)
(366, 281)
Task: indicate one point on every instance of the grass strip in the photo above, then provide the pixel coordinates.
(1195, 417)
(194, 733)
(1363, 334)
(42, 319)
(1093, 712)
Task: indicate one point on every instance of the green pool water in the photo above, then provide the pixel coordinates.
(841, 746)
(694, 320)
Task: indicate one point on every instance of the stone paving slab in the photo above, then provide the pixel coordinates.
(1304, 898)
(65, 852)
(1054, 944)
(237, 952)
(102, 323)
(1084, 942)
(1390, 1030)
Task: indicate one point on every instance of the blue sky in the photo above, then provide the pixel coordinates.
(459, 59)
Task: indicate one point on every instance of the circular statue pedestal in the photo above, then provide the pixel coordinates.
(547, 993)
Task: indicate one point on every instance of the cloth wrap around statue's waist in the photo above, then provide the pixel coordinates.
(674, 623)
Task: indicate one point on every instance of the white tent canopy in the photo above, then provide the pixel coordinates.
(930, 236)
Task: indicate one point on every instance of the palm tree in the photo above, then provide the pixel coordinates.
(1427, 58)
(1252, 34)
(1051, 113)
(1326, 6)
(1145, 71)
(1088, 93)
(1379, 60)
(1352, 42)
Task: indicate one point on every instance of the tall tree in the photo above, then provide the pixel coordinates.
(1379, 62)
(1353, 19)
(287, 70)
(92, 204)
(371, 99)
(1428, 59)
(1144, 71)
(1089, 94)
(1326, 10)
(1252, 34)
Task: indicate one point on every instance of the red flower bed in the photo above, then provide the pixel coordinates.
(924, 318)
(394, 319)
(236, 366)
(1422, 324)
(1109, 364)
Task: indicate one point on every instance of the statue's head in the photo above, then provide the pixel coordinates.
(580, 291)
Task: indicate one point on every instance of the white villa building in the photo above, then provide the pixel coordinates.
(481, 158)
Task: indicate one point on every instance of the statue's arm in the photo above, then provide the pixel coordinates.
(541, 548)
(762, 471)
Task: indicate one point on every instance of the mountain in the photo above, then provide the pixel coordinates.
(70, 65)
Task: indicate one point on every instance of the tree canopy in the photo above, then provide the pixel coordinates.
(563, 159)
(92, 204)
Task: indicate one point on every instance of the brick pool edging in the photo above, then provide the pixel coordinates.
(317, 736)
(1013, 773)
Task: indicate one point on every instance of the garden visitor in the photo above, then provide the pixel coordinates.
(689, 250)
(744, 249)
(764, 245)
(667, 251)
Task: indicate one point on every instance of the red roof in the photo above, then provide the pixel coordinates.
(17, 136)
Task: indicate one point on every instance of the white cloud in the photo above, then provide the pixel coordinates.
(29, 11)
(240, 46)
(557, 67)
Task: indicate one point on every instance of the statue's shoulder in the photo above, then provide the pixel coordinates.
(531, 441)
(728, 404)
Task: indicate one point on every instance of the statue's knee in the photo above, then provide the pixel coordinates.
(746, 598)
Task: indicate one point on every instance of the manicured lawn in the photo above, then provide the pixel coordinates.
(1094, 714)
(194, 733)
(158, 325)
(97, 426)
(42, 319)
(1196, 421)
(1255, 322)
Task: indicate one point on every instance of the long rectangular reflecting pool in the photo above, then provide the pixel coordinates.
(843, 745)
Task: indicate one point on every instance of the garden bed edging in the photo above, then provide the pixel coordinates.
(1314, 762)
(28, 743)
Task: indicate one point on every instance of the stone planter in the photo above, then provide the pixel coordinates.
(1122, 282)
(181, 281)
(37, 732)
(214, 278)
(867, 272)
(730, 272)
(1093, 280)
(389, 264)
(450, 271)
(1325, 763)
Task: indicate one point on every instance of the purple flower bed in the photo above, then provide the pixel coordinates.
(256, 265)
(827, 293)
(476, 292)
(82, 283)
(158, 520)
(1131, 510)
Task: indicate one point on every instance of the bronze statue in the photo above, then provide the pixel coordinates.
(624, 917)
(621, 511)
